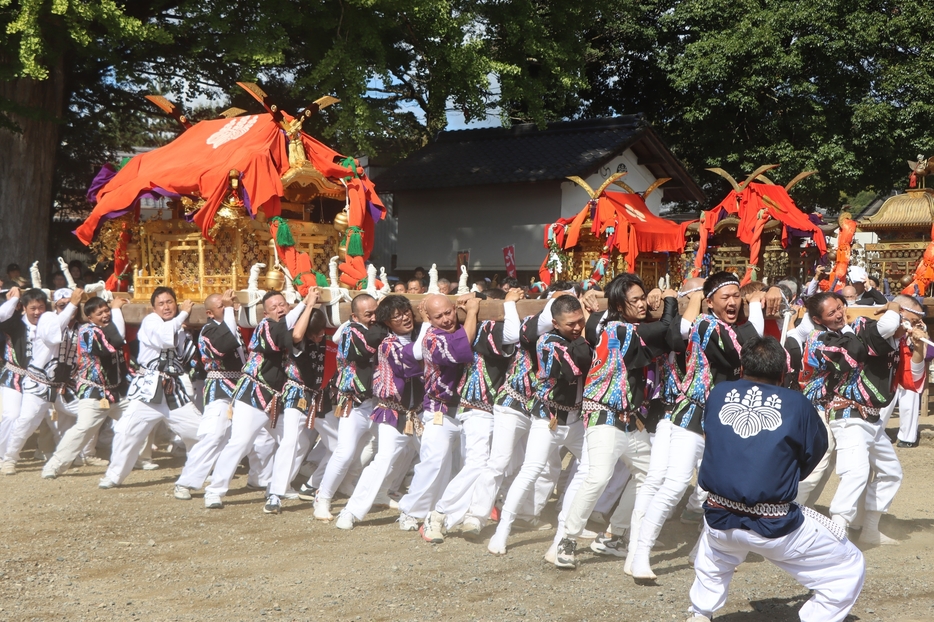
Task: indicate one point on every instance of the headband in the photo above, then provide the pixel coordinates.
(920, 313)
(733, 281)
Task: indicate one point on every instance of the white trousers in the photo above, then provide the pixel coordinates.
(403, 468)
(810, 487)
(213, 433)
(510, 429)
(326, 432)
(246, 428)
(909, 410)
(604, 447)
(542, 442)
(675, 452)
(353, 432)
(33, 410)
(832, 569)
(293, 439)
(391, 446)
(133, 428)
(90, 418)
(433, 472)
(455, 501)
(67, 414)
(11, 407)
(863, 447)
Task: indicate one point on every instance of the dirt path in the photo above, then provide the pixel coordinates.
(69, 551)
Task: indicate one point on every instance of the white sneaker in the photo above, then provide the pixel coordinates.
(106, 483)
(182, 493)
(148, 465)
(433, 528)
(323, 510)
(291, 494)
(95, 461)
(407, 523)
(8, 468)
(345, 521)
(48, 473)
(212, 501)
(273, 505)
(393, 504)
(471, 526)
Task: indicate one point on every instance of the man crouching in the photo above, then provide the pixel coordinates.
(762, 439)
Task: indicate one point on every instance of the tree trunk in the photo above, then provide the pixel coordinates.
(27, 170)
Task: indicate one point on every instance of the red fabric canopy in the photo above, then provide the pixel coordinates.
(198, 162)
(653, 234)
(775, 200)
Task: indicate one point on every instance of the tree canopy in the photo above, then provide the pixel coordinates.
(841, 87)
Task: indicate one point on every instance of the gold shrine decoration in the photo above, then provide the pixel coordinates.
(172, 253)
(104, 246)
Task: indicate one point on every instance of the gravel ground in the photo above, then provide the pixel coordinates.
(69, 551)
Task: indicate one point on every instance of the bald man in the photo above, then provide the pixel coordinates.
(445, 348)
(358, 342)
(223, 357)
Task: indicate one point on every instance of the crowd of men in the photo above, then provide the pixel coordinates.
(461, 423)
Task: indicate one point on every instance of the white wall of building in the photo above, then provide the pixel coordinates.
(573, 197)
(435, 224)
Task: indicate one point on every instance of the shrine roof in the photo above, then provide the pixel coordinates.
(524, 153)
(912, 209)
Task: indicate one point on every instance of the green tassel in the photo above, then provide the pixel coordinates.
(283, 233)
(355, 242)
(322, 280)
(361, 284)
(350, 163)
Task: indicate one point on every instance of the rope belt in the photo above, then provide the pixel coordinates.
(145, 371)
(345, 403)
(631, 418)
(19, 371)
(759, 510)
(840, 403)
(103, 387)
(476, 405)
(224, 375)
(274, 402)
(413, 423)
(39, 376)
(557, 406)
(511, 392)
(302, 403)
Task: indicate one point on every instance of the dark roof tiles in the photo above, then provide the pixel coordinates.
(524, 153)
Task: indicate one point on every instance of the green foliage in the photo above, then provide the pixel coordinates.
(841, 87)
(846, 88)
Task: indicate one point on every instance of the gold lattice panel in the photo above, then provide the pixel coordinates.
(730, 258)
(198, 267)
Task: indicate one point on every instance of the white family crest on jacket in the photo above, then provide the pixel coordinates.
(749, 416)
